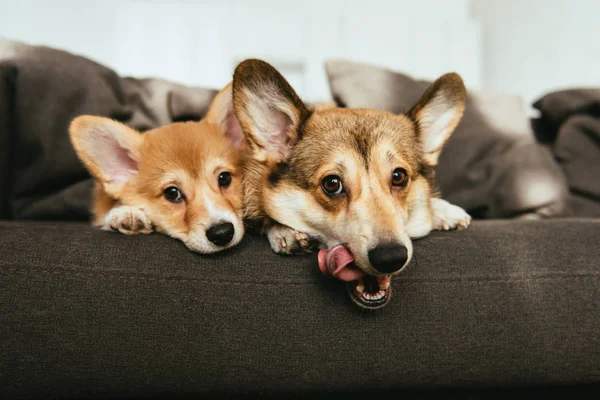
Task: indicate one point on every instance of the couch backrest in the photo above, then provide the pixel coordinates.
(5, 161)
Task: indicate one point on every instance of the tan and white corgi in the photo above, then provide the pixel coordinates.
(183, 180)
(357, 181)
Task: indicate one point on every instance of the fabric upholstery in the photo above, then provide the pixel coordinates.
(87, 313)
(5, 144)
(570, 122)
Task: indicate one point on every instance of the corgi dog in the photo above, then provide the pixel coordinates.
(183, 180)
(359, 182)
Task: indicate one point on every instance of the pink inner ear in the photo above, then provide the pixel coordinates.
(278, 139)
(233, 129)
(114, 160)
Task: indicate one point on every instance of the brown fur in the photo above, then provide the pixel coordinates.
(194, 160)
(187, 155)
(293, 154)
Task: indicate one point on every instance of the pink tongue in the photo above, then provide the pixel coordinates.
(337, 262)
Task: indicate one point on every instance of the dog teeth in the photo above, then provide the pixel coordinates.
(385, 284)
(360, 287)
(372, 296)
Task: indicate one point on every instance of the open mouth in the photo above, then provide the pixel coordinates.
(371, 292)
(367, 291)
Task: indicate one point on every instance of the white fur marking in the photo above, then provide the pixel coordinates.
(285, 240)
(447, 216)
(216, 214)
(127, 220)
(197, 240)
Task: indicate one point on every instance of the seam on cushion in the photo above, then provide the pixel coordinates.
(28, 270)
(506, 281)
(21, 271)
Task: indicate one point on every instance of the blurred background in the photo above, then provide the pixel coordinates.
(521, 47)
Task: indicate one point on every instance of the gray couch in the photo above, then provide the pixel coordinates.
(502, 305)
(510, 305)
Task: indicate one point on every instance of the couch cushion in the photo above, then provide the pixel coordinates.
(491, 165)
(89, 313)
(557, 106)
(570, 121)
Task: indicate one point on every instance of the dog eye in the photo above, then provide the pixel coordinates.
(399, 177)
(173, 194)
(224, 179)
(332, 185)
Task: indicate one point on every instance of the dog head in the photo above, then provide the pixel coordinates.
(186, 176)
(358, 177)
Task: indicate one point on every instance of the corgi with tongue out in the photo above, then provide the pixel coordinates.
(365, 290)
(358, 184)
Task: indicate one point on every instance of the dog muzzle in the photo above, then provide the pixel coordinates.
(367, 291)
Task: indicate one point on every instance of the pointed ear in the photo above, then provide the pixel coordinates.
(109, 150)
(268, 109)
(221, 114)
(437, 114)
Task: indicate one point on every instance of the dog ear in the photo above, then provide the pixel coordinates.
(109, 149)
(221, 114)
(438, 113)
(269, 110)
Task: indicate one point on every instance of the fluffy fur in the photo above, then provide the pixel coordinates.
(295, 148)
(133, 170)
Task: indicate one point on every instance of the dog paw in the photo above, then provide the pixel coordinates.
(127, 220)
(447, 216)
(285, 240)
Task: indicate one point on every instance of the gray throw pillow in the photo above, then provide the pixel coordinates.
(492, 165)
(570, 122)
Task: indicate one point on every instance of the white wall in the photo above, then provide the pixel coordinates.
(531, 47)
(199, 42)
(525, 47)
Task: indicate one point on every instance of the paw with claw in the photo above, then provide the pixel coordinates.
(127, 220)
(285, 240)
(447, 216)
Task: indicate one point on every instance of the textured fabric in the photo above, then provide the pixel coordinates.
(577, 150)
(491, 157)
(557, 106)
(570, 122)
(5, 145)
(41, 91)
(86, 313)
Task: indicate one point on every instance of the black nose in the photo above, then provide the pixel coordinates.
(388, 258)
(221, 233)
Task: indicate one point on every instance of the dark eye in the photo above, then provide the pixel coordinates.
(332, 185)
(224, 179)
(173, 194)
(399, 177)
